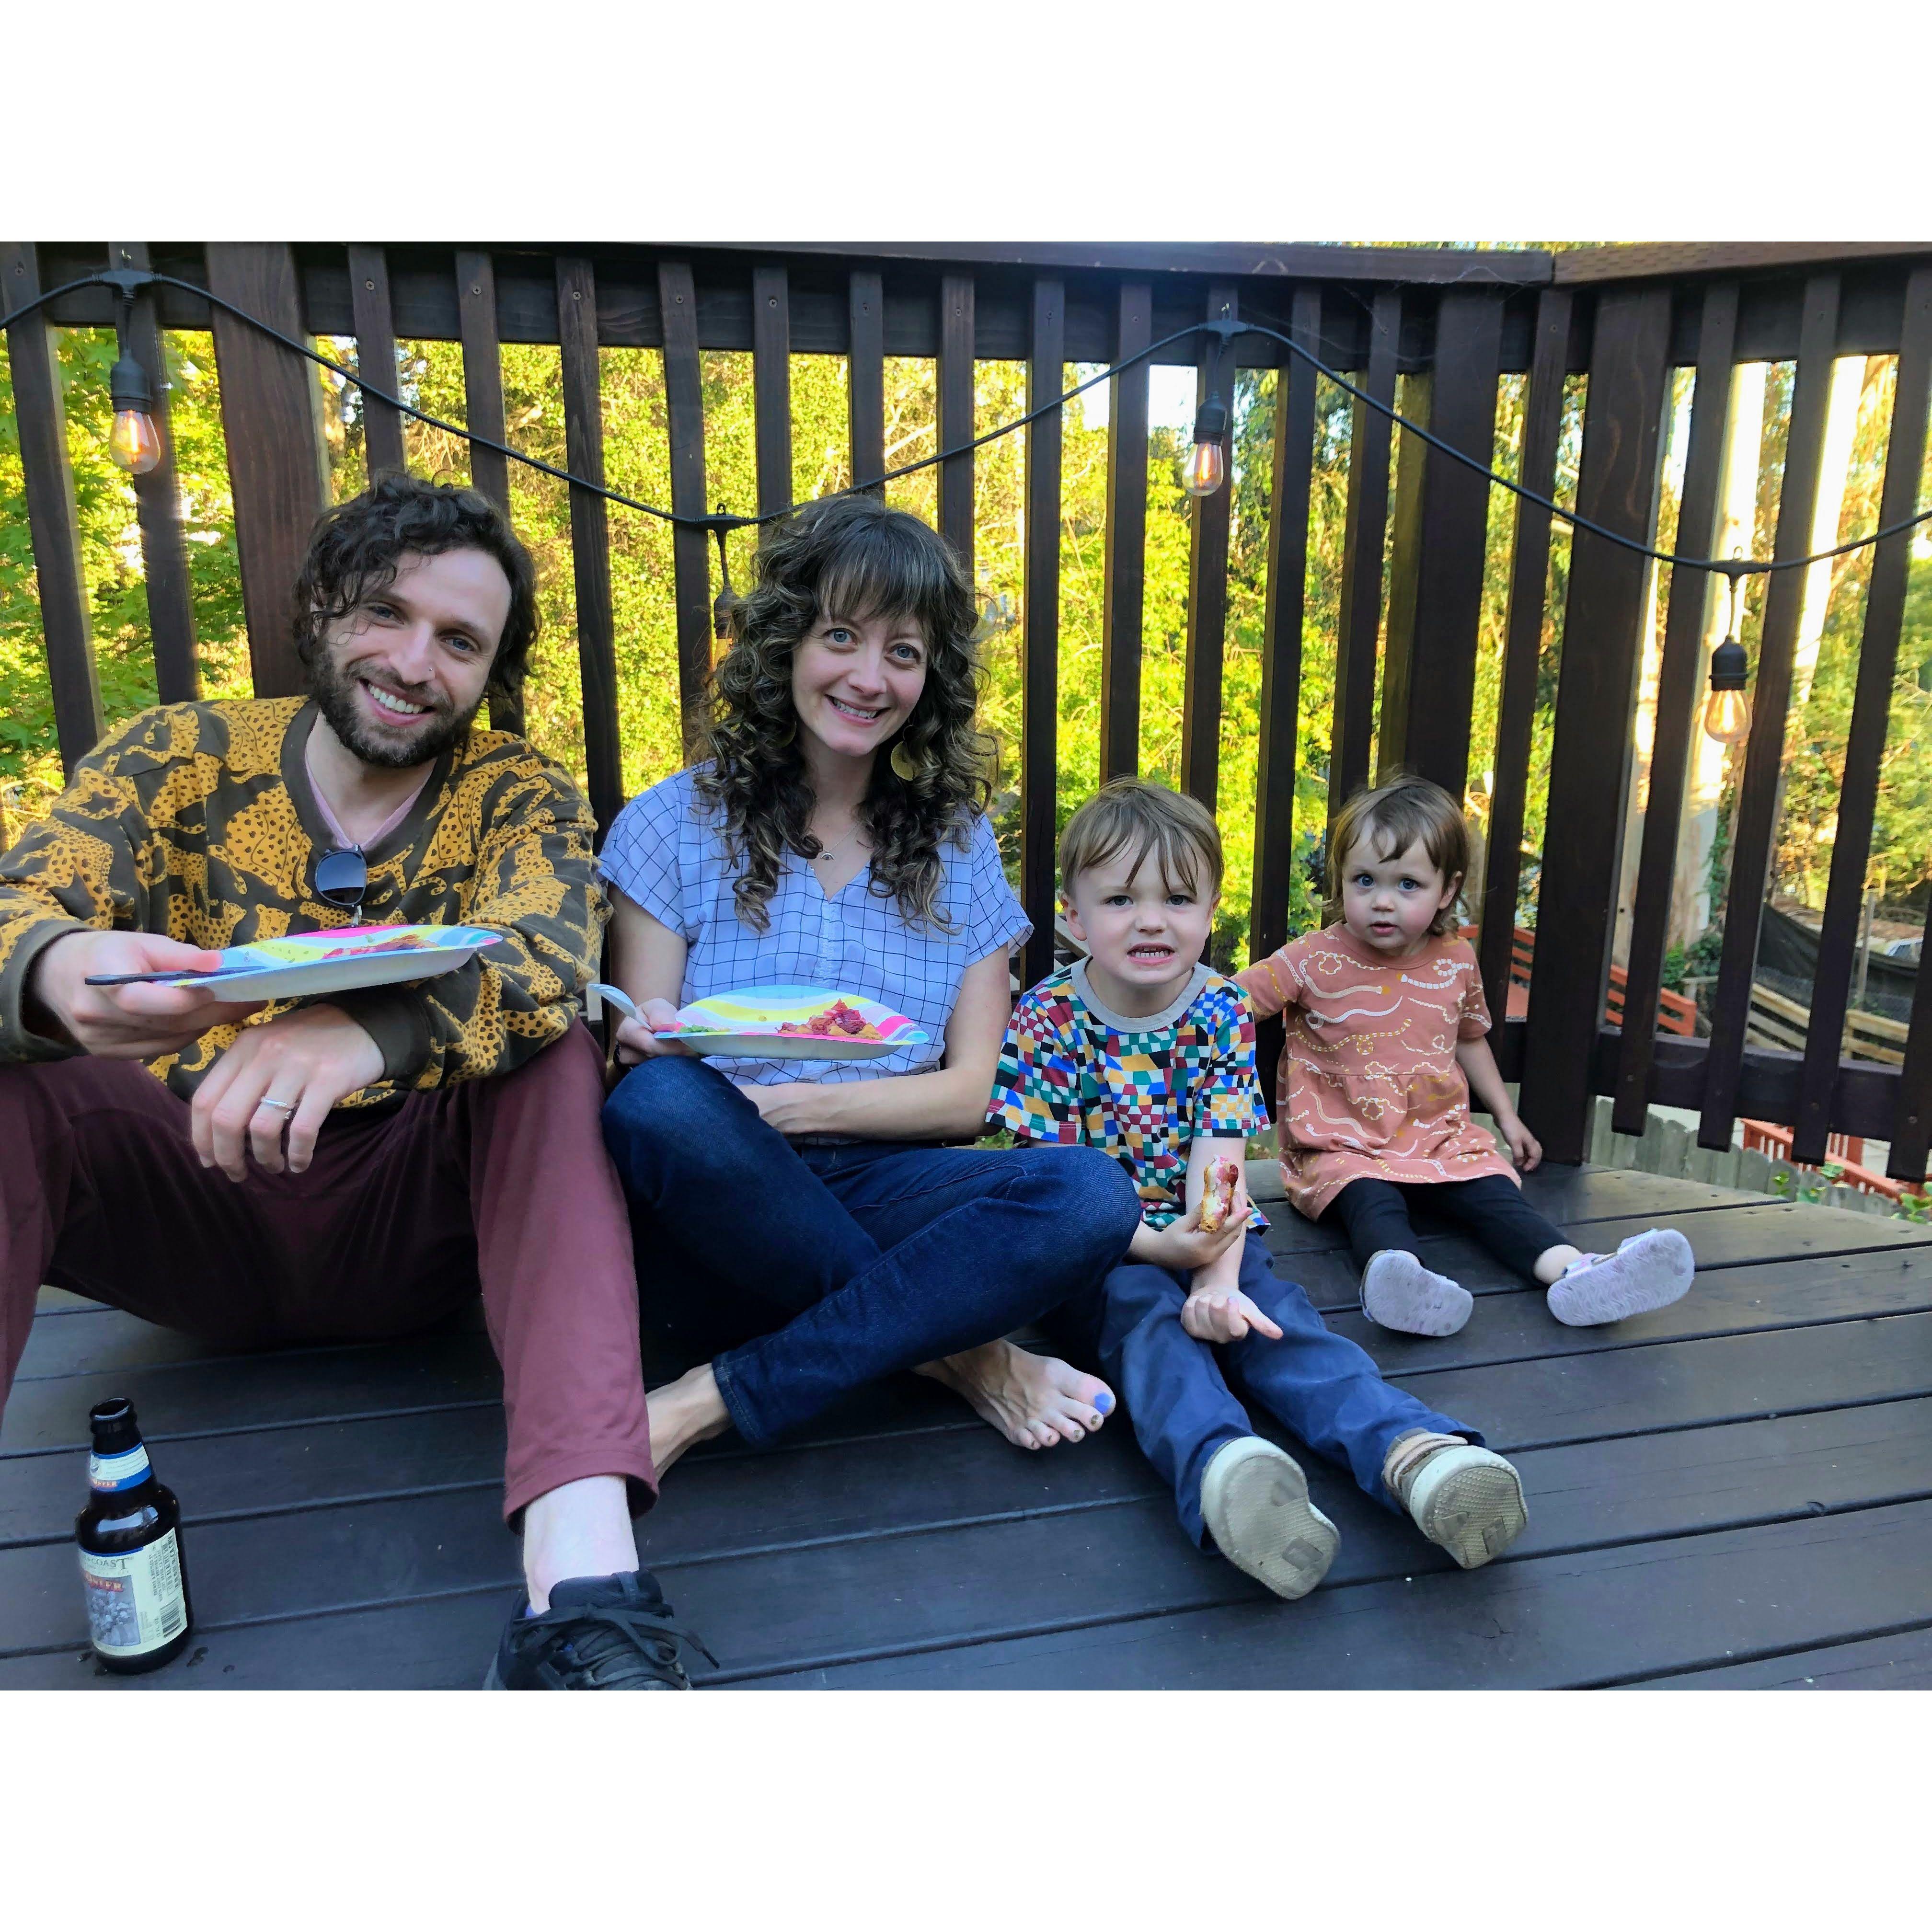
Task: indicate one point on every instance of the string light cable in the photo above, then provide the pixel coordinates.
(1210, 426)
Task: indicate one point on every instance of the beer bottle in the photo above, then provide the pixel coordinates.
(131, 1552)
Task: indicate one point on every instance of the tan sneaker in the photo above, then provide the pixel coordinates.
(1465, 1500)
(1254, 1500)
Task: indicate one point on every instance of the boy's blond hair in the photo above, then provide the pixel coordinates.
(1408, 810)
(1130, 815)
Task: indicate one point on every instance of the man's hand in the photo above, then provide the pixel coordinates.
(283, 1076)
(1224, 1315)
(125, 1022)
(637, 1040)
(1526, 1149)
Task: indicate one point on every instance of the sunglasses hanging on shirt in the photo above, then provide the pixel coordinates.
(342, 877)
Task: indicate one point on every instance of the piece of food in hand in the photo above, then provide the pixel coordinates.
(837, 1021)
(1217, 1200)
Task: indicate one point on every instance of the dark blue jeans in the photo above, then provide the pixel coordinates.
(813, 1270)
(1181, 1393)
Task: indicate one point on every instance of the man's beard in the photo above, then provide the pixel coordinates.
(334, 691)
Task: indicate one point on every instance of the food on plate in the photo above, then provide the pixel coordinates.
(1217, 1201)
(406, 942)
(836, 1021)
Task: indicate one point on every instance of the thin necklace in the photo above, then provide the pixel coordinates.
(832, 852)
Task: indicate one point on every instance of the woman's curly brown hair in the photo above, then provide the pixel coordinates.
(853, 558)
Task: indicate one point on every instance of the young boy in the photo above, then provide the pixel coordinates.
(1141, 1049)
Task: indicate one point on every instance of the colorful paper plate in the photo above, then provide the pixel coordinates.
(747, 1024)
(307, 963)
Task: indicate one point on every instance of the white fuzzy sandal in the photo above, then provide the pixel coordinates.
(1254, 1500)
(1649, 1270)
(1399, 1292)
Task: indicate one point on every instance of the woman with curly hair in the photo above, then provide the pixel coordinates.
(802, 1221)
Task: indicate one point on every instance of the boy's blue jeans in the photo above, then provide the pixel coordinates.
(1184, 1396)
(807, 1272)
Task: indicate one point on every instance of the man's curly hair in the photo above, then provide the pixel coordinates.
(354, 549)
(849, 557)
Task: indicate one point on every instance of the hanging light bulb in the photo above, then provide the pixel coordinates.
(1206, 468)
(1727, 711)
(721, 604)
(134, 442)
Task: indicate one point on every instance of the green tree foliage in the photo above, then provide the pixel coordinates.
(636, 461)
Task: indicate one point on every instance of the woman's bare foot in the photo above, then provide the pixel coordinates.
(687, 1411)
(1033, 1401)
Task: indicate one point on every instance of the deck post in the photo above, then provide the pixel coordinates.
(1589, 769)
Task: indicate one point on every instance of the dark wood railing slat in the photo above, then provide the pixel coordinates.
(1864, 747)
(1411, 467)
(277, 462)
(1679, 703)
(157, 507)
(865, 376)
(1040, 684)
(771, 385)
(954, 383)
(1523, 646)
(376, 354)
(1207, 583)
(483, 411)
(1582, 844)
(52, 521)
(1759, 789)
(1429, 686)
(1125, 574)
(684, 410)
(589, 535)
(482, 373)
(1365, 527)
(1281, 635)
(1364, 533)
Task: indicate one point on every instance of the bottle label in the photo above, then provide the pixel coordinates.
(135, 1601)
(119, 1472)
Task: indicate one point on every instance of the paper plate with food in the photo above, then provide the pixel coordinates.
(303, 964)
(792, 1023)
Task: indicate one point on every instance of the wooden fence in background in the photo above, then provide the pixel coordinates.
(1624, 317)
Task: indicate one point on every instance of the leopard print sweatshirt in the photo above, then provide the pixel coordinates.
(198, 821)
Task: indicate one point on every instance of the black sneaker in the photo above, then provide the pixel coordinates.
(599, 1634)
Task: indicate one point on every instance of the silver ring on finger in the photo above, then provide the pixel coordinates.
(280, 1106)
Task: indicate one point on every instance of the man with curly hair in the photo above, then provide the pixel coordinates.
(354, 1167)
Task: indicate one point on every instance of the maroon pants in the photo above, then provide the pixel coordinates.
(503, 1183)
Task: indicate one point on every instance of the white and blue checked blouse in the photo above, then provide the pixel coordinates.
(668, 858)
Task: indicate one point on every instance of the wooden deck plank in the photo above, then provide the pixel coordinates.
(342, 1529)
(1900, 1662)
(1512, 1326)
(279, 1390)
(1679, 1384)
(334, 1461)
(1737, 1237)
(1606, 1616)
(1094, 1537)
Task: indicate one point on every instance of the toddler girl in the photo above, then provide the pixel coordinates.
(1385, 1026)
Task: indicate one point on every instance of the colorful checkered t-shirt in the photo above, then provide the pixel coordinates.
(1073, 1072)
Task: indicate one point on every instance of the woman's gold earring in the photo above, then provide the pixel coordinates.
(790, 732)
(908, 767)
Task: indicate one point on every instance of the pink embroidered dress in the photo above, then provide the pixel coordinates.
(1369, 1082)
